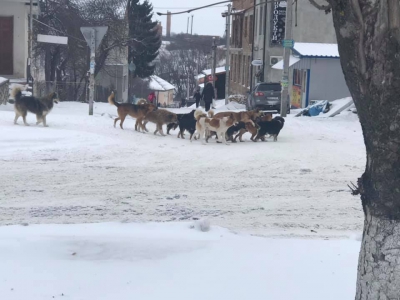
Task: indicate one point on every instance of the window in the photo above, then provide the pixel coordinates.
(297, 77)
(239, 69)
(269, 87)
(261, 21)
(245, 26)
(125, 82)
(251, 29)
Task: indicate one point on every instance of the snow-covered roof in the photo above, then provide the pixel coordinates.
(217, 71)
(2, 79)
(292, 61)
(317, 50)
(158, 84)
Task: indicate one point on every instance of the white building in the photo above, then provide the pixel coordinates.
(14, 20)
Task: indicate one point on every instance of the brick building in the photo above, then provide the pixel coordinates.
(241, 45)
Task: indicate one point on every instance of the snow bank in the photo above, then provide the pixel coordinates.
(169, 261)
(2, 79)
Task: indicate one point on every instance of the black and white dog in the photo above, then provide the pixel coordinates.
(273, 128)
(185, 122)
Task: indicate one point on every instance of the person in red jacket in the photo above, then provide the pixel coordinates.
(151, 97)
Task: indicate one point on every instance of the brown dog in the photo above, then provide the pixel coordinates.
(243, 116)
(160, 117)
(135, 111)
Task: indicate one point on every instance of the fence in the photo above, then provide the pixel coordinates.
(71, 91)
(4, 92)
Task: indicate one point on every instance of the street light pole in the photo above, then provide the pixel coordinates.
(228, 53)
(286, 59)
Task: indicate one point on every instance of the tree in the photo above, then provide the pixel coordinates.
(144, 30)
(368, 34)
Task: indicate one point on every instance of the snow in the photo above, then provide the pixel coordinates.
(337, 106)
(2, 80)
(82, 169)
(170, 261)
(158, 84)
(317, 49)
(292, 61)
(217, 71)
(245, 221)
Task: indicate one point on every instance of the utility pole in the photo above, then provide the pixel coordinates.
(93, 37)
(214, 63)
(228, 53)
(92, 47)
(30, 46)
(287, 44)
(191, 29)
(187, 29)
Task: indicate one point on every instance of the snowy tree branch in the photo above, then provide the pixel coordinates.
(327, 8)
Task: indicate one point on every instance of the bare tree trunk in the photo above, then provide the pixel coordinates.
(368, 34)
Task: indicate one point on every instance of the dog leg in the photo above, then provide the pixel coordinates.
(275, 137)
(24, 118)
(223, 138)
(16, 119)
(161, 130)
(38, 120)
(44, 122)
(122, 122)
(116, 120)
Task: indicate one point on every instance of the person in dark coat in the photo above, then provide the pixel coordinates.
(208, 95)
(197, 96)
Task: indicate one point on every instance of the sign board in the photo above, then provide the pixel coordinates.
(257, 62)
(100, 32)
(288, 44)
(284, 83)
(52, 39)
(278, 22)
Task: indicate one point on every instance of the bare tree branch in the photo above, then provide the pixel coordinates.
(327, 8)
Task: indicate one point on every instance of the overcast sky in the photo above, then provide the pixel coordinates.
(207, 21)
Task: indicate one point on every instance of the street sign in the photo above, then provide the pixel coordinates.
(100, 31)
(257, 62)
(284, 83)
(288, 43)
(52, 39)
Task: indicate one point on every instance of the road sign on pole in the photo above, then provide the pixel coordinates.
(288, 44)
(93, 37)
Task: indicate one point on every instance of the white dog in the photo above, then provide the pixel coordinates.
(204, 125)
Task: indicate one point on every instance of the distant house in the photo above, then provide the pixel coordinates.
(14, 38)
(315, 74)
(163, 89)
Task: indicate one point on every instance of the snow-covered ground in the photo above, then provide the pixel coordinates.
(82, 169)
(169, 261)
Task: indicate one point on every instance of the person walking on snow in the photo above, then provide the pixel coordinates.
(208, 95)
(197, 96)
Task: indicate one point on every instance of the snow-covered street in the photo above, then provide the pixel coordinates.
(169, 261)
(81, 169)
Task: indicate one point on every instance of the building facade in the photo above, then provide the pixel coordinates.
(14, 20)
(241, 46)
(268, 29)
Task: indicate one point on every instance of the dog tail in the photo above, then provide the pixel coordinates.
(198, 114)
(16, 93)
(111, 100)
(211, 113)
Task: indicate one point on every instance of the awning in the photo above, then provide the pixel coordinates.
(279, 65)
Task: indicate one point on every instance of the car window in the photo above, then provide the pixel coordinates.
(269, 87)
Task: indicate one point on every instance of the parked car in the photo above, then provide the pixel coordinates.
(266, 96)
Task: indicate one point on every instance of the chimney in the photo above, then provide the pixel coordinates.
(168, 23)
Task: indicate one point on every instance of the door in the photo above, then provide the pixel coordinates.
(6, 45)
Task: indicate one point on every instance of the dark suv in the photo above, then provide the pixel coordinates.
(266, 96)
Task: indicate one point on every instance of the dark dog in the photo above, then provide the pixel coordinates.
(273, 128)
(185, 122)
(238, 128)
(41, 107)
